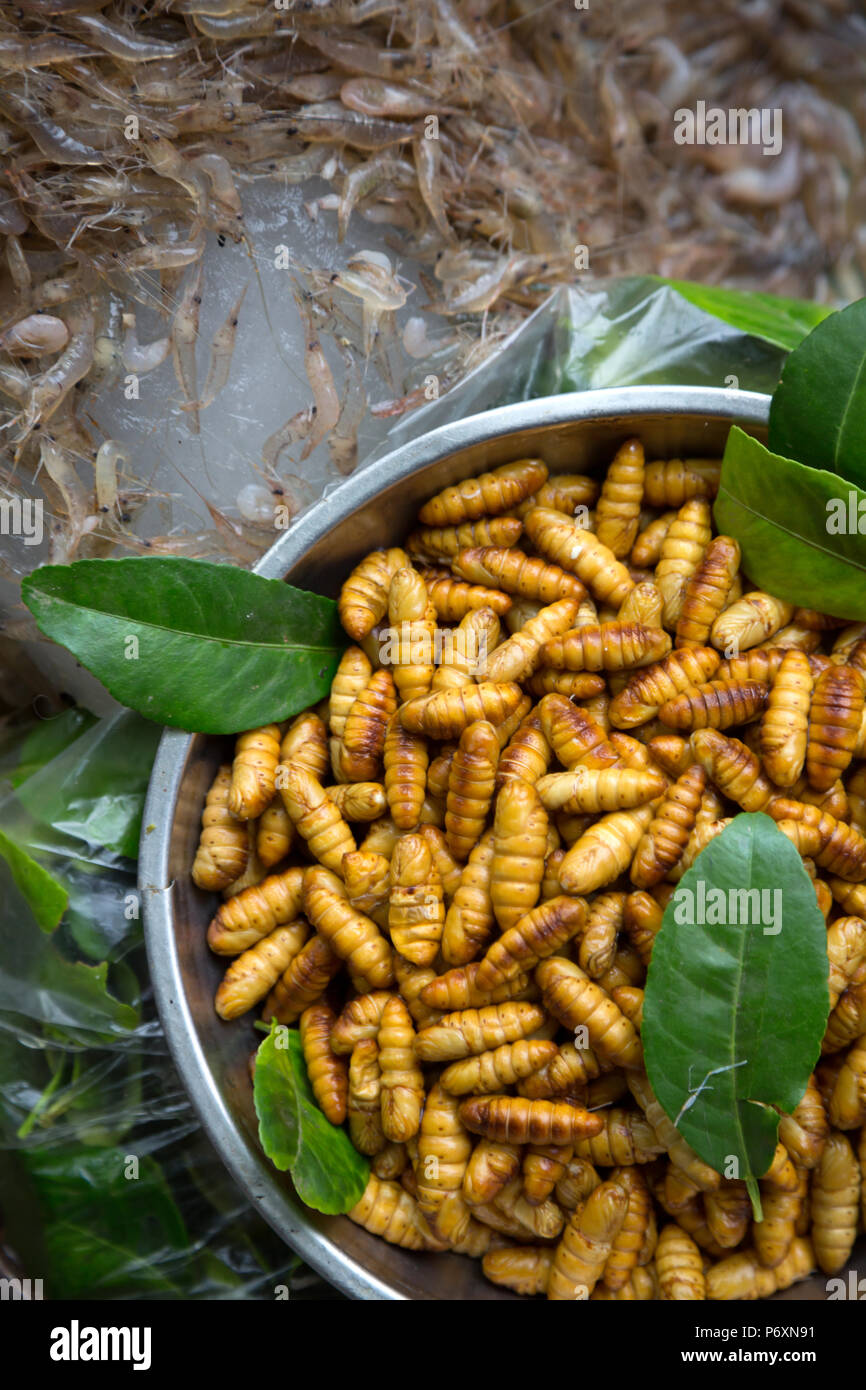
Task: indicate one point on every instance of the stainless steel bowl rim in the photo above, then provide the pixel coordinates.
(745, 407)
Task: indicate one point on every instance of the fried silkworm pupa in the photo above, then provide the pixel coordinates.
(471, 785)
(363, 600)
(402, 1094)
(364, 733)
(363, 1105)
(752, 619)
(257, 754)
(544, 930)
(359, 1020)
(253, 974)
(255, 912)
(303, 981)
(834, 725)
(387, 1210)
(679, 1266)
(522, 1268)
(707, 591)
(445, 542)
(586, 1243)
(327, 1072)
(416, 912)
(614, 646)
(576, 1000)
(681, 552)
(315, 817)
(487, 495)
(558, 538)
(471, 1031)
(834, 1203)
(519, 574)
(648, 689)
(489, 1072)
(617, 515)
(671, 482)
(354, 937)
(520, 828)
(222, 851)
(716, 705)
(785, 723)
(521, 1121)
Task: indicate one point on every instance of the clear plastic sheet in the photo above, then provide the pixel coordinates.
(625, 332)
(108, 1187)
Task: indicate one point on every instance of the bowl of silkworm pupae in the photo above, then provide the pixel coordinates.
(448, 874)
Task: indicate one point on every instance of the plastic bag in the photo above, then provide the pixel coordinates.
(108, 1186)
(625, 332)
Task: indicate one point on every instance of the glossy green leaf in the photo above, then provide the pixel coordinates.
(797, 527)
(209, 648)
(784, 322)
(736, 998)
(328, 1172)
(818, 412)
(46, 897)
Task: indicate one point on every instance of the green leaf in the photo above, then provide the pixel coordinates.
(735, 1010)
(818, 412)
(328, 1172)
(46, 897)
(780, 512)
(784, 322)
(209, 648)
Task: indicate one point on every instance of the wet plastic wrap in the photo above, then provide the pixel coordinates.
(108, 1186)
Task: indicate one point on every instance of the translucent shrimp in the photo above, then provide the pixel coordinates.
(252, 24)
(75, 501)
(374, 96)
(169, 255)
(326, 399)
(480, 294)
(14, 381)
(169, 162)
(122, 43)
(225, 195)
(369, 280)
(19, 55)
(330, 120)
(108, 455)
(427, 165)
(54, 142)
(184, 335)
(296, 429)
(19, 270)
(363, 179)
(221, 357)
(35, 336)
(50, 389)
(343, 440)
(354, 55)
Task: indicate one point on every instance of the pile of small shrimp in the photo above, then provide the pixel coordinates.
(491, 138)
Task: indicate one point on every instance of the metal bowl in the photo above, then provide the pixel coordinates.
(574, 433)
